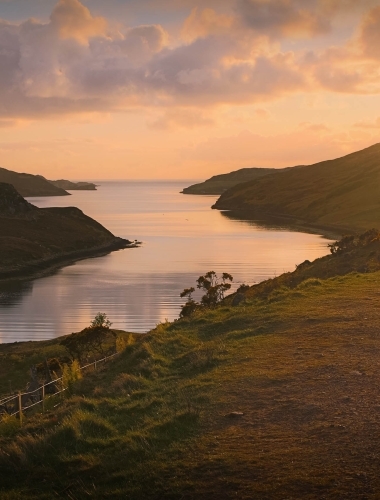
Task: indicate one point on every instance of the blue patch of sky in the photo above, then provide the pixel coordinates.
(19, 10)
(137, 12)
(129, 12)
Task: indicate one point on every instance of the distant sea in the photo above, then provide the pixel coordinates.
(182, 238)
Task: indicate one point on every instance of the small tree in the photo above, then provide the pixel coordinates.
(94, 341)
(101, 320)
(214, 287)
(190, 305)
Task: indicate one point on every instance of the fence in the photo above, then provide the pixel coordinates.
(19, 403)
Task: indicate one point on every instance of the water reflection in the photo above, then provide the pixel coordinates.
(12, 293)
(274, 223)
(137, 288)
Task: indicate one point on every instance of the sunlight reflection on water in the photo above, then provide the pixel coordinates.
(137, 288)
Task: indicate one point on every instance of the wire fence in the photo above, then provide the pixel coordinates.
(17, 404)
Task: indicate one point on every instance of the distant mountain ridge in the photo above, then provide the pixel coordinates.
(37, 185)
(341, 192)
(220, 183)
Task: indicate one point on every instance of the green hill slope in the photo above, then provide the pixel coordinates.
(341, 192)
(220, 183)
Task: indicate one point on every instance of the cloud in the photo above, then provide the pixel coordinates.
(71, 19)
(78, 63)
(185, 118)
(249, 149)
(205, 22)
(370, 34)
(282, 17)
(368, 124)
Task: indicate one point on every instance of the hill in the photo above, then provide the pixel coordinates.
(220, 183)
(32, 239)
(74, 186)
(37, 185)
(275, 398)
(342, 192)
(30, 185)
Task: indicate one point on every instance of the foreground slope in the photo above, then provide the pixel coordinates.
(32, 239)
(300, 366)
(220, 183)
(341, 192)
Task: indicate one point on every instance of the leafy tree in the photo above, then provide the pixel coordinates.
(101, 320)
(214, 288)
(190, 305)
(93, 342)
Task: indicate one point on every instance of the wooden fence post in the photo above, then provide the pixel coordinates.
(20, 408)
(43, 398)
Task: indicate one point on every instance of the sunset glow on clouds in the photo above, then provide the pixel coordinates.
(128, 89)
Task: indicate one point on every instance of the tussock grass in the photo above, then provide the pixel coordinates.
(301, 364)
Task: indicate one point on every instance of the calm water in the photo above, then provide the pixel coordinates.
(137, 288)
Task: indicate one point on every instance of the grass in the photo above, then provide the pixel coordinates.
(17, 358)
(340, 193)
(299, 364)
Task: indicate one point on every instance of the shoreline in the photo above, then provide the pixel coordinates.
(38, 269)
(331, 231)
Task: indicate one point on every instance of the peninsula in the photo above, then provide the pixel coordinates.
(37, 185)
(338, 193)
(74, 186)
(33, 239)
(220, 183)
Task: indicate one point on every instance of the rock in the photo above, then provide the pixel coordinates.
(234, 414)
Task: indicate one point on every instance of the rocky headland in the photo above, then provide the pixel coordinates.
(33, 239)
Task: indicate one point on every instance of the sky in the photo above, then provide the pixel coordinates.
(142, 89)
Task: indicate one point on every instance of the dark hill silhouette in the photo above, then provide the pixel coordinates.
(74, 186)
(220, 183)
(33, 239)
(30, 185)
(342, 192)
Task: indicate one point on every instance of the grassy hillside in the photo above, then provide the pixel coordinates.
(341, 192)
(275, 398)
(30, 185)
(220, 183)
(32, 238)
